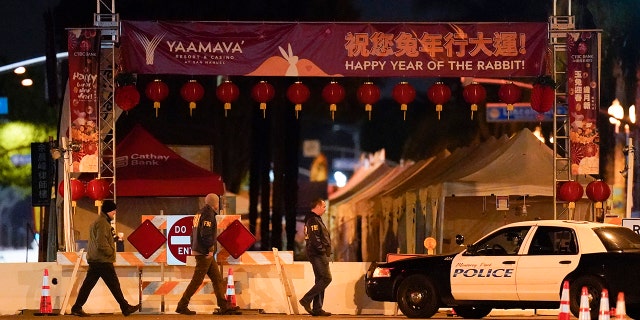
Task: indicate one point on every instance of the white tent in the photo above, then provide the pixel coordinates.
(524, 165)
(344, 224)
(519, 168)
(410, 204)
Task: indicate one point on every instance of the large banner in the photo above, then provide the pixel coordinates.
(84, 65)
(583, 89)
(334, 49)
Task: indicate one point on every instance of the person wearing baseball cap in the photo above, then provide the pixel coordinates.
(101, 255)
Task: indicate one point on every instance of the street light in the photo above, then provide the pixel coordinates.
(26, 82)
(630, 160)
(616, 113)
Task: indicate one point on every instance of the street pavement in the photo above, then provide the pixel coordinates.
(252, 315)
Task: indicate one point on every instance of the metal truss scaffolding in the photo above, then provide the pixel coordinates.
(559, 25)
(109, 24)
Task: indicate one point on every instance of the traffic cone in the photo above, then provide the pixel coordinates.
(564, 303)
(45, 298)
(231, 290)
(621, 310)
(584, 305)
(603, 314)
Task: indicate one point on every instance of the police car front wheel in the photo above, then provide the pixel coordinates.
(418, 297)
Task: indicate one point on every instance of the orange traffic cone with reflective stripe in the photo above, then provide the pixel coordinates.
(564, 303)
(621, 310)
(603, 314)
(45, 298)
(231, 290)
(584, 305)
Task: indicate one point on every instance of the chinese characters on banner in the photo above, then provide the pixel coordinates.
(583, 92)
(41, 174)
(334, 49)
(84, 63)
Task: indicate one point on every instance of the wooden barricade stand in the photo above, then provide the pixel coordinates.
(290, 294)
(74, 275)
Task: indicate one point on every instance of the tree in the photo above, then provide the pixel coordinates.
(15, 141)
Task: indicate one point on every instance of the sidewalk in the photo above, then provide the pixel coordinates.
(254, 315)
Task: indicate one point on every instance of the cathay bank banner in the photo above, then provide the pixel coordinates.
(334, 49)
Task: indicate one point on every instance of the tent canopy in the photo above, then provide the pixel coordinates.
(523, 165)
(147, 168)
(516, 165)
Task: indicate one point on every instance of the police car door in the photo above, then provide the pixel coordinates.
(487, 269)
(550, 256)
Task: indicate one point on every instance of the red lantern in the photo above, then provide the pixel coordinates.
(157, 91)
(439, 93)
(571, 191)
(403, 93)
(192, 92)
(543, 95)
(127, 97)
(510, 94)
(598, 191)
(474, 94)
(227, 92)
(263, 92)
(77, 189)
(368, 93)
(298, 93)
(333, 93)
(98, 189)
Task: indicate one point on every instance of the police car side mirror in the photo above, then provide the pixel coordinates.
(471, 249)
(459, 239)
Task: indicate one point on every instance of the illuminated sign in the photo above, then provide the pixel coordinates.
(4, 105)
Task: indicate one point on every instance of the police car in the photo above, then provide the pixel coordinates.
(521, 265)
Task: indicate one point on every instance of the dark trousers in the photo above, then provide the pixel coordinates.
(205, 265)
(107, 272)
(320, 265)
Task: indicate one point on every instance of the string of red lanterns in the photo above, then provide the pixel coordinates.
(97, 189)
(542, 95)
(368, 93)
(597, 191)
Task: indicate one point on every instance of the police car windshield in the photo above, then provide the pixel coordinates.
(618, 238)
